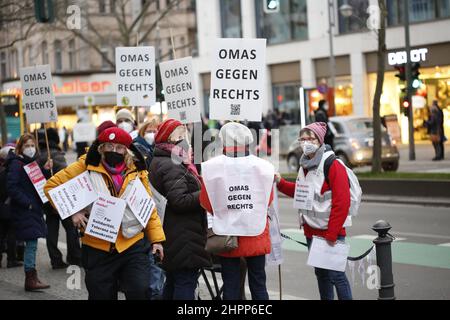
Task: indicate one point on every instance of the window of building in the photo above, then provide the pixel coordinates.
(44, 52)
(29, 51)
(290, 23)
(58, 55)
(112, 6)
(3, 65)
(102, 6)
(231, 21)
(105, 64)
(72, 55)
(286, 102)
(419, 10)
(14, 59)
(357, 21)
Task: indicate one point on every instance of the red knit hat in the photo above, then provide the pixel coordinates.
(115, 135)
(319, 128)
(105, 125)
(165, 129)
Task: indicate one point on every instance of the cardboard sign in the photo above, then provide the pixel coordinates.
(84, 132)
(37, 178)
(140, 202)
(135, 74)
(180, 92)
(160, 202)
(238, 79)
(322, 255)
(304, 195)
(39, 101)
(74, 195)
(105, 218)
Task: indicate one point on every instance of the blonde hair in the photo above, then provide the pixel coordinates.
(152, 123)
(129, 156)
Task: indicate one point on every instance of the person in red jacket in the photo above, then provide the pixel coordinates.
(327, 215)
(236, 139)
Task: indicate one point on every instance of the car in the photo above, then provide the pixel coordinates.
(353, 144)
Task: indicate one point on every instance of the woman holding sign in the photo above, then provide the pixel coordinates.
(175, 177)
(26, 206)
(113, 169)
(321, 190)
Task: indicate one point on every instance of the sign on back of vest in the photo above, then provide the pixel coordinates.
(39, 101)
(238, 79)
(180, 92)
(74, 195)
(135, 73)
(239, 191)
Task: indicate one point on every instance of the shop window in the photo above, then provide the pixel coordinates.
(289, 24)
(357, 21)
(230, 15)
(286, 102)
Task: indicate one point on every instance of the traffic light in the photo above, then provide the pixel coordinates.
(405, 106)
(271, 6)
(44, 11)
(401, 72)
(415, 81)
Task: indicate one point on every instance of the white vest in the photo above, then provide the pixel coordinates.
(319, 215)
(239, 191)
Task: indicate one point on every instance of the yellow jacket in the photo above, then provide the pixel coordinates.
(153, 230)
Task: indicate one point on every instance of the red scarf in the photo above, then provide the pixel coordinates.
(117, 174)
(181, 153)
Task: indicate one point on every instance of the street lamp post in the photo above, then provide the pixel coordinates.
(332, 59)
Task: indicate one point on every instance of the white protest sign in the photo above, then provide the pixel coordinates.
(180, 92)
(238, 79)
(39, 101)
(84, 132)
(322, 255)
(140, 202)
(160, 202)
(74, 195)
(37, 178)
(135, 75)
(275, 257)
(105, 218)
(304, 195)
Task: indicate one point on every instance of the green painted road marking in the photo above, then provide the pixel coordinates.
(418, 254)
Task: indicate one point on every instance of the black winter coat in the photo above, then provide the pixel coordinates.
(30, 223)
(185, 223)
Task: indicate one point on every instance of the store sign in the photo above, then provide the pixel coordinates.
(400, 57)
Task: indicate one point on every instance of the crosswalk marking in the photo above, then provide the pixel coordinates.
(444, 244)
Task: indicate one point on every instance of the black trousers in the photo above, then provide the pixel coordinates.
(8, 238)
(105, 270)
(73, 241)
(439, 149)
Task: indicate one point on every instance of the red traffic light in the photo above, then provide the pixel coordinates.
(405, 104)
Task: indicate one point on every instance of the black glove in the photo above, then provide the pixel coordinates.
(93, 157)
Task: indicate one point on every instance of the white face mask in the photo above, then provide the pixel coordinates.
(150, 137)
(29, 152)
(325, 106)
(309, 147)
(128, 127)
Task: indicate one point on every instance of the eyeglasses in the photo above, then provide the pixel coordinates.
(108, 147)
(307, 139)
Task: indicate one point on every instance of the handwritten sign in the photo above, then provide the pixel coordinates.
(37, 178)
(140, 202)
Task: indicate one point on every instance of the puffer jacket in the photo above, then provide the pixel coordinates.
(185, 223)
(29, 222)
(153, 231)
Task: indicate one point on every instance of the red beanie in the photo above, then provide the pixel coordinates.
(105, 125)
(319, 128)
(115, 135)
(165, 129)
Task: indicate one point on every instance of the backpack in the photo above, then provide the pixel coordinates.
(355, 188)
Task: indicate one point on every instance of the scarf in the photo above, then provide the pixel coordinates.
(184, 155)
(117, 174)
(311, 164)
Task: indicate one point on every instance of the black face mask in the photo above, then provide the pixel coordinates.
(114, 158)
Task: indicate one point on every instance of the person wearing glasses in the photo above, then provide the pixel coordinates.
(113, 166)
(326, 215)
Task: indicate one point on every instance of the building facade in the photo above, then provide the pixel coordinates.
(298, 53)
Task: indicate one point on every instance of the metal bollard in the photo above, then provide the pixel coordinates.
(384, 260)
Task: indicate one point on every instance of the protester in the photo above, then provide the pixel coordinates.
(52, 217)
(26, 206)
(253, 174)
(435, 126)
(7, 229)
(321, 115)
(145, 141)
(125, 120)
(174, 175)
(330, 206)
(113, 167)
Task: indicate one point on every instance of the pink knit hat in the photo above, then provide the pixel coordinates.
(319, 128)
